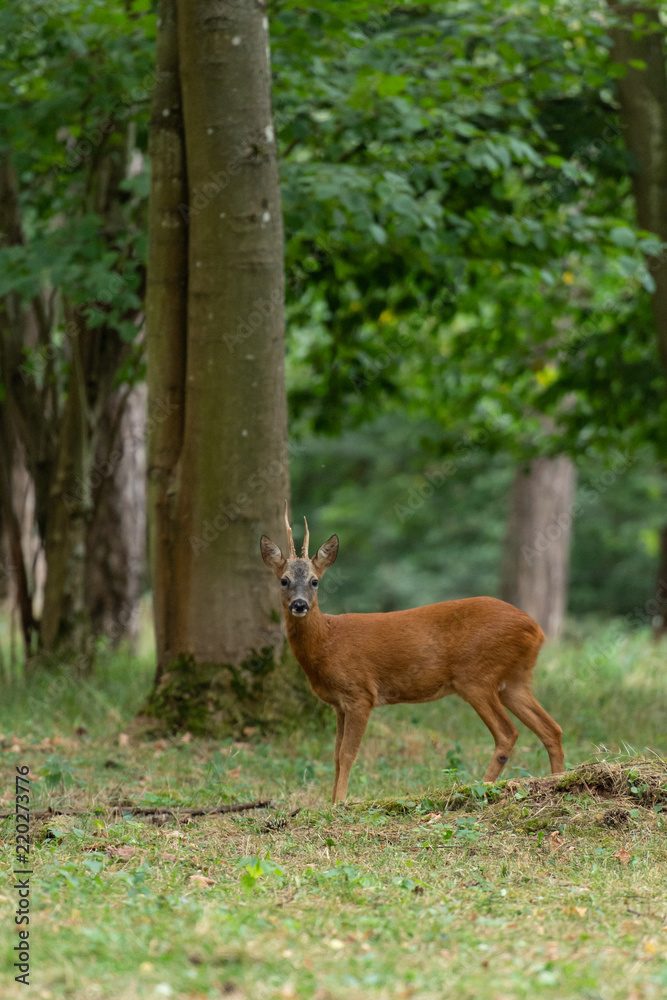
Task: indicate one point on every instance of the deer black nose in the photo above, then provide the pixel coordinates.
(299, 607)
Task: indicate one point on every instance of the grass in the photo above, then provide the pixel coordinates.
(429, 884)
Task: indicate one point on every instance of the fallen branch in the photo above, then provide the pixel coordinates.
(177, 812)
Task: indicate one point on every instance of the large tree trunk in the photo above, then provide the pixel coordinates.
(536, 559)
(219, 475)
(116, 536)
(642, 94)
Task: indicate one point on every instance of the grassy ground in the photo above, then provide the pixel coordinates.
(422, 887)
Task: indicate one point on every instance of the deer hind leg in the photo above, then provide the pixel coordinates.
(356, 720)
(340, 729)
(502, 729)
(522, 702)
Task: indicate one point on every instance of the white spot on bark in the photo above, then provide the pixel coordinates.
(222, 215)
(165, 112)
(209, 131)
(236, 40)
(250, 357)
(244, 434)
(266, 217)
(501, 686)
(198, 264)
(265, 23)
(268, 132)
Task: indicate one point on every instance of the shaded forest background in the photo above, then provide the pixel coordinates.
(470, 286)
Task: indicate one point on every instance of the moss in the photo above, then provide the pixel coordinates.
(216, 700)
(469, 796)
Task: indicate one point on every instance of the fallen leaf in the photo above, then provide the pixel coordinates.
(555, 841)
(186, 737)
(161, 745)
(123, 740)
(581, 910)
(623, 856)
(235, 772)
(336, 944)
(432, 818)
(650, 948)
(202, 880)
(125, 851)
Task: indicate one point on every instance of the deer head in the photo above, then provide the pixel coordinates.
(299, 577)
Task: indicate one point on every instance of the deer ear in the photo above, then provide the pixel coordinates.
(272, 555)
(325, 555)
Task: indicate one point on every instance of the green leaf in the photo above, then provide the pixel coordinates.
(623, 236)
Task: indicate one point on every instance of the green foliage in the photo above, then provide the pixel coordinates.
(75, 84)
(459, 224)
(422, 517)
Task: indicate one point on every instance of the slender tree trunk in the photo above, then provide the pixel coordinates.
(216, 361)
(535, 569)
(642, 94)
(659, 608)
(166, 326)
(116, 535)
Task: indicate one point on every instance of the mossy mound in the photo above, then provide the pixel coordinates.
(640, 780)
(631, 782)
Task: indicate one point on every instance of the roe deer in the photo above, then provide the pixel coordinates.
(479, 648)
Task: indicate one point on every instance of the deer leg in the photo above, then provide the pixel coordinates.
(522, 702)
(340, 729)
(355, 726)
(502, 729)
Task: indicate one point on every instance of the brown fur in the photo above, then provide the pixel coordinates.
(480, 648)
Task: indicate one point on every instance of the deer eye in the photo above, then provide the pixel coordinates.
(313, 583)
(284, 582)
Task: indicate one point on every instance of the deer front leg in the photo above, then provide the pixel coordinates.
(356, 720)
(340, 729)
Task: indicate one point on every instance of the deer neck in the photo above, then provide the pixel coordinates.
(308, 638)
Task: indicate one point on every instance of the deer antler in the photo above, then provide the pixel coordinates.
(290, 537)
(304, 550)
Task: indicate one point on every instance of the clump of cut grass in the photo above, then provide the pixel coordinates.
(633, 780)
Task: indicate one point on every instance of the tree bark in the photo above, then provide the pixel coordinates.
(116, 535)
(218, 464)
(166, 325)
(642, 95)
(536, 558)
